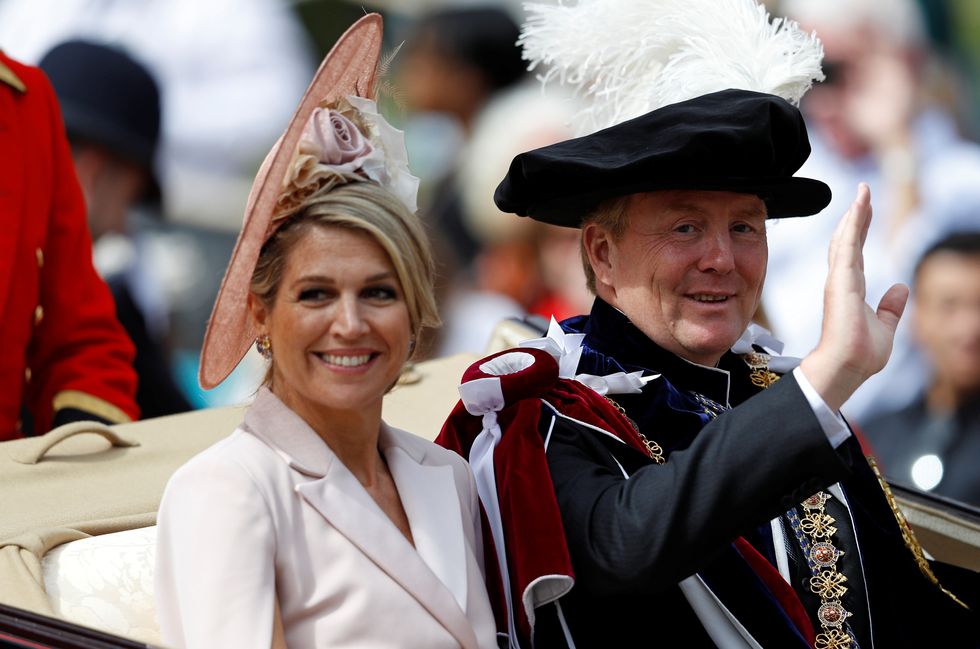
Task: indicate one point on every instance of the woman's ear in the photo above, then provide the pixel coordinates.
(258, 311)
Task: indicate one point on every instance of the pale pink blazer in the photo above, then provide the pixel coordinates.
(270, 511)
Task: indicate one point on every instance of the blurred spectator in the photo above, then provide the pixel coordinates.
(872, 120)
(230, 71)
(934, 444)
(522, 266)
(111, 107)
(66, 358)
(453, 61)
(230, 74)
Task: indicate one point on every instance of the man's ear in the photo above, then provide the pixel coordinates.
(258, 312)
(597, 242)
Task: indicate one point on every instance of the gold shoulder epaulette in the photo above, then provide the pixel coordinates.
(8, 77)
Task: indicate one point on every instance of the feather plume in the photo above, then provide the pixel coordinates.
(383, 85)
(628, 57)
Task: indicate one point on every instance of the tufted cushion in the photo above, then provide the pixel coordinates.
(106, 582)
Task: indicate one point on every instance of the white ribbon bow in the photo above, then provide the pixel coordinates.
(567, 350)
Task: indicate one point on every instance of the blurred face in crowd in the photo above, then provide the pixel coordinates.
(868, 99)
(688, 269)
(946, 318)
(339, 324)
(112, 186)
(434, 81)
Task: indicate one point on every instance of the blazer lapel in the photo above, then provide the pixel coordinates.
(344, 503)
(428, 494)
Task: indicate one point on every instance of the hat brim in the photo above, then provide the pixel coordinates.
(348, 69)
(784, 197)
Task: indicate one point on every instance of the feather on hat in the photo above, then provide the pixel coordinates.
(645, 54)
(686, 94)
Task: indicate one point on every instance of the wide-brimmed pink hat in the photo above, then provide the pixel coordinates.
(349, 69)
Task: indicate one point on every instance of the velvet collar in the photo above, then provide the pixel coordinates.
(610, 338)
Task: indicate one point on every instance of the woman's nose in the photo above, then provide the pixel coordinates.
(349, 321)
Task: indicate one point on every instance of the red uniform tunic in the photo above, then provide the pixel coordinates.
(61, 347)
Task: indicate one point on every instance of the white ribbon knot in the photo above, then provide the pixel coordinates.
(759, 335)
(567, 351)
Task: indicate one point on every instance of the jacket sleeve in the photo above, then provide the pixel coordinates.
(658, 526)
(80, 356)
(215, 565)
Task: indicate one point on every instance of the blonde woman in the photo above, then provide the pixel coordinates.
(315, 524)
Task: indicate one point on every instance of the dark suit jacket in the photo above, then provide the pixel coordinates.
(631, 540)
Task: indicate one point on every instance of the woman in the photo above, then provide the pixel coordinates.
(315, 524)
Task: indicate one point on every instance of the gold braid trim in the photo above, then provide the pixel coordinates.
(908, 536)
(8, 77)
(85, 401)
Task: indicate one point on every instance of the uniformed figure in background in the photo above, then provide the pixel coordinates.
(112, 110)
(65, 356)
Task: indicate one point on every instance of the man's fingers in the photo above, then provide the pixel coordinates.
(852, 230)
(892, 306)
(857, 220)
(864, 201)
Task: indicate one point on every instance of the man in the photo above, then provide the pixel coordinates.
(747, 517)
(111, 106)
(66, 357)
(934, 443)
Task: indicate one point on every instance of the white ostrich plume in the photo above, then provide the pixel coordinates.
(628, 57)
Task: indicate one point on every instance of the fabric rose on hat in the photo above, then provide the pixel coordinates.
(334, 140)
(349, 137)
(390, 169)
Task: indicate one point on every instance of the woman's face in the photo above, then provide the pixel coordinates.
(339, 324)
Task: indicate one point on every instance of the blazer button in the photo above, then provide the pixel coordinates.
(38, 314)
(27, 374)
(40, 257)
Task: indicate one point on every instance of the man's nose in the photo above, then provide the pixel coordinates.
(718, 254)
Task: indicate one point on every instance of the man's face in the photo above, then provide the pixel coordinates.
(947, 318)
(688, 270)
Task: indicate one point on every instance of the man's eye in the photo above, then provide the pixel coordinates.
(686, 228)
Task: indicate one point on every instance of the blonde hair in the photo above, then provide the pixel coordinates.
(611, 215)
(364, 207)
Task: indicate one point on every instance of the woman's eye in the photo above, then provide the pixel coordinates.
(381, 293)
(685, 228)
(312, 295)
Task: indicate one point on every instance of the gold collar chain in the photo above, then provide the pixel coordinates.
(653, 449)
(761, 376)
(815, 534)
